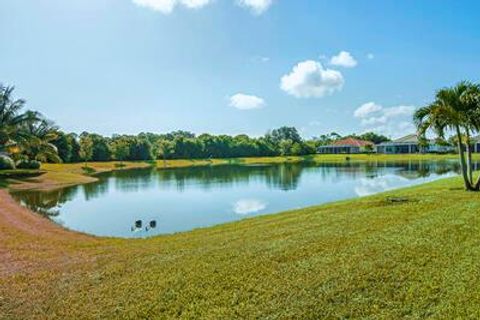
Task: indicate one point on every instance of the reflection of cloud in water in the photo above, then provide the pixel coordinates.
(247, 206)
(368, 187)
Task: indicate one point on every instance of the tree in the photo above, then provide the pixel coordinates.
(296, 149)
(285, 133)
(64, 146)
(373, 137)
(164, 149)
(455, 109)
(120, 149)
(86, 148)
(285, 147)
(12, 120)
(140, 149)
(39, 145)
(25, 135)
(100, 149)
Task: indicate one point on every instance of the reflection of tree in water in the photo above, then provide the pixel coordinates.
(283, 176)
(95, 189)
(423, 169)
(133, 180)
(280, 176)
(46, 203)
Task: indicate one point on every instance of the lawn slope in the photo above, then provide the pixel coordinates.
(363, 258)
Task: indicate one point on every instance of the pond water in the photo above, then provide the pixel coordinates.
(140, 203)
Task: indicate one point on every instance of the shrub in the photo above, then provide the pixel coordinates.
(28, 164)
(6, 163)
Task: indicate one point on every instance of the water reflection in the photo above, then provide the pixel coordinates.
(248, 206)
(187, 198)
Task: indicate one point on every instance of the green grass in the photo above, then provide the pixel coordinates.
(365, 258)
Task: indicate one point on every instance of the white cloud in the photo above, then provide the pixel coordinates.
(343, 59)
(369, 186)
(399, 111)
(256, 6)
(370, 56)
(367, 108)
(310, 79)
(247, 206)
(167, 6)
(260, 59)
(195, 3)
(246, 102)
(393, 121)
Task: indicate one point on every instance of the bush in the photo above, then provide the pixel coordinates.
(28, 164)
(6, 163)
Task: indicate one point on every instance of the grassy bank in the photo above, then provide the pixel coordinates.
(368, 258)
(61, 175)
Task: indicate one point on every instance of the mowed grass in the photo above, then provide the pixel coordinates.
(364, 258)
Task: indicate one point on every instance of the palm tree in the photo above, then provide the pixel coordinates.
(471, 100)
(454, 109)
(25, 134)
(41, 133)
(11, 119)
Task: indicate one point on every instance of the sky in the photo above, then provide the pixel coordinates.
(236, 66)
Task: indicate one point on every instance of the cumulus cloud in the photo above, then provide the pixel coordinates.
(310, 79)
(248, 206)
(246, 102)
(167, 6)
(369, 186)
(367, 108)
(255, 6)
(343, 59)
(392, 121)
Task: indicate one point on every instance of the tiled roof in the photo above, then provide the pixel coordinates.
(352, 142)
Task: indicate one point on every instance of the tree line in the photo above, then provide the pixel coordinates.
(179, 145)
(28, 138)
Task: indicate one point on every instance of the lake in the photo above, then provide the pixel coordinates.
(147, 202)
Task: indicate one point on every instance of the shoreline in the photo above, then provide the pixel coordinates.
(58, 176)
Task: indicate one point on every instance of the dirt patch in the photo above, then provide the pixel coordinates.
(34, 238)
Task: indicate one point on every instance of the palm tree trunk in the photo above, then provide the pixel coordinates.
(469, 157)
(466, 180)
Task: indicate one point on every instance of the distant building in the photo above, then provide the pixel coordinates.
(476, 144)
(407, 144)
(347, 146)
(410, 144)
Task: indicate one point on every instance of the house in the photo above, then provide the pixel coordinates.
(410, 144)
(407, 144)
(347, 146)
(476, 144)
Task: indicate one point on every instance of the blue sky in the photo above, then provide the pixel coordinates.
(236, 66)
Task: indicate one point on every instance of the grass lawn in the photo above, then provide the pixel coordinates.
(363, 258)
